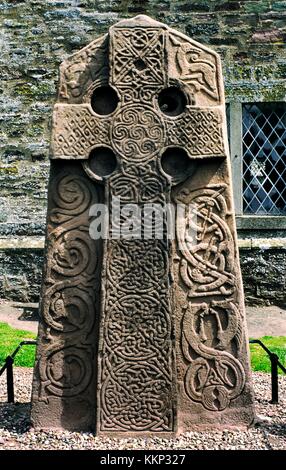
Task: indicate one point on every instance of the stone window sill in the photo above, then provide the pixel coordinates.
(256, 222)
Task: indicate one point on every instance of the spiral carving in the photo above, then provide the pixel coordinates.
(73, 254)
(69, 308)
(65, 371)
(137, 132)
(65, 363)
(71, 197)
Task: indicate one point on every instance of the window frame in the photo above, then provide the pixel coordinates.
(243, 221)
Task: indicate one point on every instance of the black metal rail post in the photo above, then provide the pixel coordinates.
(10, 380)
(8, 366)
(275, 363)
(274, 378)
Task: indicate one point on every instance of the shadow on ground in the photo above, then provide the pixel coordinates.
(15, 417)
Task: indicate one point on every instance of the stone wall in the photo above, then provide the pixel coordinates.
(21, 272)
(36, 35)
(264, 275)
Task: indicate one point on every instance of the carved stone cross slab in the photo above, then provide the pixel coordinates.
(140, 332)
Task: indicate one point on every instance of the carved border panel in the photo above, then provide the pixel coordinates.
(212, 359)
(66, 354)
(212, 325)
(136, 381)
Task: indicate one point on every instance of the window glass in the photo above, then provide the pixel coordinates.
(264, 158)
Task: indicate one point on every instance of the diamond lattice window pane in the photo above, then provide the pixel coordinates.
(264, 158)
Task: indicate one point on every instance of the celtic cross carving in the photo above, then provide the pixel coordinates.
(140, 119)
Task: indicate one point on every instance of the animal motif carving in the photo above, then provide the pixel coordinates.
(215, 377)
(212, 329)
(196, 69)
(206, 245)
(82, 69)
(162, 126)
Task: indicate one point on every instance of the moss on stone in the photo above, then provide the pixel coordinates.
(9, 170)
(260, 6)
(34, 131)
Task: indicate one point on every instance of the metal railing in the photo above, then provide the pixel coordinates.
(275, 363)
(8, 366)
(274, 359)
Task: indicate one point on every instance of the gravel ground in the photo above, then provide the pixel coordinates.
(15, 433)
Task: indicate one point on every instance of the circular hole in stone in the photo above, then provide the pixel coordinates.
(172, 101)
(102, 161)
(176, 163)
(140, 64)
(104, 100)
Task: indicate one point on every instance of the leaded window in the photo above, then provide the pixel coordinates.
(257, 138)
(264, 158)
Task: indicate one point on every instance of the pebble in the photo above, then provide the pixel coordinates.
(16, 432)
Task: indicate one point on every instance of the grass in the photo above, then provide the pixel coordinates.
(10, 339)
(259, 358)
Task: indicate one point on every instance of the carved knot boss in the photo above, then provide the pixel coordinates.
(141, 335)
